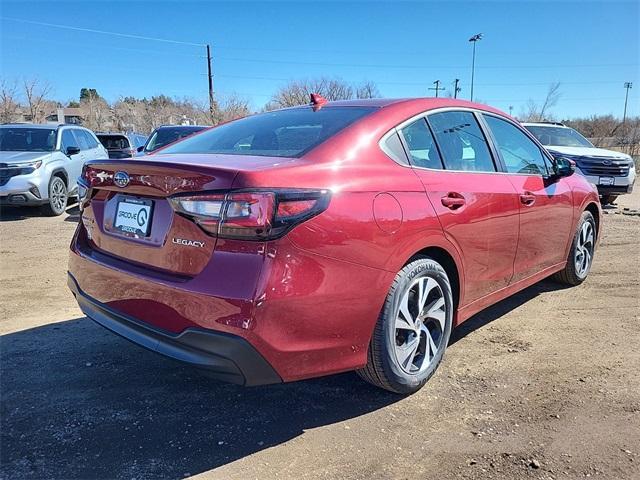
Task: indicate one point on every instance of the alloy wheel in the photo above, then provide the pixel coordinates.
(584, 249)
(58, 195)
(419, 325)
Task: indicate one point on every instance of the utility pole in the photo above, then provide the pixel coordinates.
(437, 87)
(456, 88)
(474, 40)
(511, 110)
(627, 85)
(210, 77)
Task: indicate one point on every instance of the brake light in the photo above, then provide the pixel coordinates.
(258, 215)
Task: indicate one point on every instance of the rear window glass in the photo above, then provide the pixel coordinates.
(114, 142)
(283, 133)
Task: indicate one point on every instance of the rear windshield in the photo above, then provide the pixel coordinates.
(114, 142)
(24, 139)
(166, 135)
(558, 136)
(283, 133)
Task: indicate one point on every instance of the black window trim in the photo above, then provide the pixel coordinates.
(405, 145)
(529, 135)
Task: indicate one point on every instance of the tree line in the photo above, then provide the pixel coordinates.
(31, 99)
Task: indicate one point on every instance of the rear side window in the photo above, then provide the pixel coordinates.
(283, 133)
(518, 152)
(422, 148)
(461, 142)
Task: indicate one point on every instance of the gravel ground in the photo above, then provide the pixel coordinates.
(543, 385)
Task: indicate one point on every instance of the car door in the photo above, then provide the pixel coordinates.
(477, 207)
(546, 204)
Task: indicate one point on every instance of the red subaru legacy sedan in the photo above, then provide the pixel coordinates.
(336, 236)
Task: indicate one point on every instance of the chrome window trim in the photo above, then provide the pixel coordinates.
(425, 113)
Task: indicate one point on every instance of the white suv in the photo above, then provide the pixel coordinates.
(612, 172)
(40, 164)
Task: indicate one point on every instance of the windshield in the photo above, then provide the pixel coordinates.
(165, 136)
(283, 133)
(558, 136)
(25, 139)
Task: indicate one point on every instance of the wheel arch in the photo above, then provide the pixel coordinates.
(62, 173)
(592, 208)
(450, 265)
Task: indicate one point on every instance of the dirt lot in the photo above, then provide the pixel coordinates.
(543, 385)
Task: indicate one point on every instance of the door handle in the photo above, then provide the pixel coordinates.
(453, 201)
(527, 199)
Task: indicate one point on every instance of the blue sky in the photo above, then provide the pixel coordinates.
(592, 48)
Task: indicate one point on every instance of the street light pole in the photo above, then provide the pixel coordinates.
(627, 85)
(474, 39)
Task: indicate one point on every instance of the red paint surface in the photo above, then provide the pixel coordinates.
(308, 302)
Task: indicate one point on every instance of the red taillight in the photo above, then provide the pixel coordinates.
(251, 215)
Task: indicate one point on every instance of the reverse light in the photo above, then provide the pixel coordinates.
(251, 215)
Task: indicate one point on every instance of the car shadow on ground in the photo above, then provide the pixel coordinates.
(12, 214)
(80, 402)
(500, 309)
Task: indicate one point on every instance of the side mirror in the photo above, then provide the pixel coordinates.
(563, 167)
(140, 148)
(72, 151)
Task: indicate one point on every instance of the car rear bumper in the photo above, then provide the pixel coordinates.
(225, 356)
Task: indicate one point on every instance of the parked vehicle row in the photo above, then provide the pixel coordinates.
(40, 164)
(336, 236)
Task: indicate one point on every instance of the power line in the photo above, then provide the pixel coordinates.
(415, 67)
(103, 32)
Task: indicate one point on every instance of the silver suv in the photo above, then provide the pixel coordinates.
(40, 164)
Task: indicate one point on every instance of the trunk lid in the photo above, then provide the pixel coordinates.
(125, 194)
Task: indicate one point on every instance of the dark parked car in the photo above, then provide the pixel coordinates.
(121, 145)
(331, 237)
(167, 134)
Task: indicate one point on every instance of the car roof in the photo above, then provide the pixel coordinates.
(181, 126)
(544, 124)
(422, 104)
(31, 125)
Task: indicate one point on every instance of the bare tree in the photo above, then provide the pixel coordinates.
(536, 113)
(297, 92)
(36, 93)
(95, 111)
(367, 89)
(8, 102)
(231, 108)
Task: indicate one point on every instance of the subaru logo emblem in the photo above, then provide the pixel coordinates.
(121, 179)
(607, 162)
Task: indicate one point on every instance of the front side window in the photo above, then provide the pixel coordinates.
(82, 140)
(25, 139)
(68, 139)
(461, 142)
(519, 153)
(283, 133)
(422, 148)
(91, 142)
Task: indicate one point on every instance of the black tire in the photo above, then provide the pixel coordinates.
(58, 197)
(383, 368)
(571, 275)
(608, 199)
